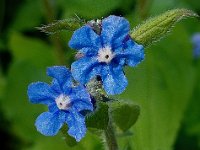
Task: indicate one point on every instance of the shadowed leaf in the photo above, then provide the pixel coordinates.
(124, 114)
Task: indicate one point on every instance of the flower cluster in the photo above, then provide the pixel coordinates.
(104, 48)
(106, 53)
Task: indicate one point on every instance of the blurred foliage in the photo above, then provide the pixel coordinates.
(166, 85)
(163, 91)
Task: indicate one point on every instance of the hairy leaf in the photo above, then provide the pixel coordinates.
(67, 24)
(125, 114)
(157, 27)
(99, 119)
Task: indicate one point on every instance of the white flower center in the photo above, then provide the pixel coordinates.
(63, 102)
(105, 55)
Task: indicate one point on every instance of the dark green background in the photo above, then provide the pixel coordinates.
(166, 84)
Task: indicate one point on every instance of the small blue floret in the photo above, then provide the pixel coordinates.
(105, 54)
(65, 102)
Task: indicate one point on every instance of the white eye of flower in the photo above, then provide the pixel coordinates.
(98, 21)
(63, 102)
(105, 55)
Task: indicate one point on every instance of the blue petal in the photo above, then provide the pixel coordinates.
(114, 80)
(49, 124)
(85, 69)
(53, 107)
(81, 99)
(84, 37)
(56, 86)
(133, 52)
(62, 81)
(76, 125)
(61, 74)
(89, 51)
(80, 92)
(83, 104)
(114, 31)
(40, 92)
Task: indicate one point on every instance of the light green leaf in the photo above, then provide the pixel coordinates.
(158, 27)
(124, 114)
(162, 85)
(191, 120)
(17, 108)
(33, 50)
(30, 59)
(99, 118)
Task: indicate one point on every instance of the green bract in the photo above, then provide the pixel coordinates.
(158, 27)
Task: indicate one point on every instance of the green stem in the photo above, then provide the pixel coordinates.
(96, 90)
(110, 137)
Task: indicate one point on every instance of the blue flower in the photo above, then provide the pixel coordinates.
(196, 45)
(105, 54)
(65, 102)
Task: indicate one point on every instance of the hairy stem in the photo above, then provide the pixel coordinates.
(110, 137)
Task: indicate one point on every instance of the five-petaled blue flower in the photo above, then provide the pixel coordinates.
(65, 102)
(106, 53)
(196, 45)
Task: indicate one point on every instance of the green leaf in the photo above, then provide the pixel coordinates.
(28, 16)
(99, 118)
(157, 27)
(67, 24)
(30, 59)
(193, 4)
(162, 85)
(70, 141)
(192, 115)
(125, 114)
(90, 142)
(33, 50)
(16, 106)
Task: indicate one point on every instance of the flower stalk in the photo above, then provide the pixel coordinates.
(110, 136)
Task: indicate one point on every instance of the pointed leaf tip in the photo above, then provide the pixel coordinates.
(60, 25)
(157, 27)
